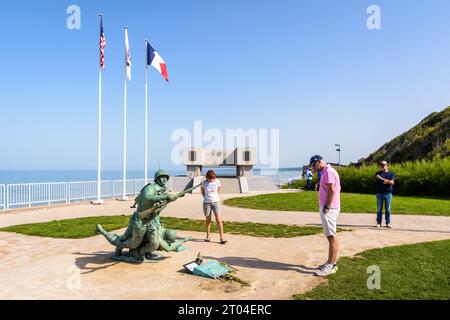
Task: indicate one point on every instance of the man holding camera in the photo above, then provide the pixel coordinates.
(384, 187)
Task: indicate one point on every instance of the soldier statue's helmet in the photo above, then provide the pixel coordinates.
(170, 235)
(161, 173)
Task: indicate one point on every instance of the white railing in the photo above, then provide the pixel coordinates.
(38, 194)
(132, 187)
(87, 190)
(46, 194)
(2, 197)
(35, 194)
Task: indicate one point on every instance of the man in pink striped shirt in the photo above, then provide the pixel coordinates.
(330, 206)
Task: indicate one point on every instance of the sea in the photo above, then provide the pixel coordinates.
(43, 176)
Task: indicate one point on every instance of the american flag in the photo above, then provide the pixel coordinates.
(102, 44)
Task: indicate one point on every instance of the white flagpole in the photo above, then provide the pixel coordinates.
(124, 196)
(99, 154)
(146, 116)
(99, 158)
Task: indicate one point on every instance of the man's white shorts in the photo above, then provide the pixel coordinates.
(329, 221)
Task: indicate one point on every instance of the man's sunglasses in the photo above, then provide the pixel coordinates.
(313, 165)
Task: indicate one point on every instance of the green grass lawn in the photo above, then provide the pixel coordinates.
(408, 272)
(85, 227)
(351, 203)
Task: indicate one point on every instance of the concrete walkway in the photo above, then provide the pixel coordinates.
(44, 268)
(191, 207)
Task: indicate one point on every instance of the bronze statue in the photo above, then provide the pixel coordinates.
(145, 233)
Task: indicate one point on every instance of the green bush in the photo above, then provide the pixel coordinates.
(427, 178)
(295, 184)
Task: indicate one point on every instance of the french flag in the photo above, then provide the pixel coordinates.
(155, 60)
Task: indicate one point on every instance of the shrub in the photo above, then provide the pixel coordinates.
(295, 184)
(427, 178)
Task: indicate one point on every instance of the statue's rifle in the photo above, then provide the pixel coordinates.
(147, 213)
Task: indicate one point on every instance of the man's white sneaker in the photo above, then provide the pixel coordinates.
(327, 270)
(323, 265)
(378, 226)
(388, 226)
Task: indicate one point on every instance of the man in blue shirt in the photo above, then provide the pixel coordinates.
(384, 187)
(309, 177)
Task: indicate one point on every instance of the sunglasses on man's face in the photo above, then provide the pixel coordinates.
(313, 165)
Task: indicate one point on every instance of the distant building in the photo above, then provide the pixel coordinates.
(195, 158)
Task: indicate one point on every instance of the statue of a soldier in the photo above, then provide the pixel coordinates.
(145, 233)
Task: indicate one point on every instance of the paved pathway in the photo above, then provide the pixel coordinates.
(44, 268)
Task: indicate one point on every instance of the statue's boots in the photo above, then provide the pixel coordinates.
(112, 238)
(136, 255)
(118, 252)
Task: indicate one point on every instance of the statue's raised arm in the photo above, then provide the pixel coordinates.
(157, 206)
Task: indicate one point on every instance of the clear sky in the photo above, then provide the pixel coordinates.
(309, 68)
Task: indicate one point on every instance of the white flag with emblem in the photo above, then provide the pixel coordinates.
(127, 55)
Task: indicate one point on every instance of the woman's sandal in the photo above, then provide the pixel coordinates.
(207, 239)
(223, 241)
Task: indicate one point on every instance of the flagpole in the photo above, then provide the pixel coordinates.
(124, 196)
(99, 154)
(99, 161)
(146, 117)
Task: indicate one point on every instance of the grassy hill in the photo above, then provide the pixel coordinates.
(428, 139)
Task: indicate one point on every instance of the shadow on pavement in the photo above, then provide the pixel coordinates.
(95, 260)
(263, 264)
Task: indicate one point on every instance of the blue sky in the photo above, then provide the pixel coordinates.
(309, 68)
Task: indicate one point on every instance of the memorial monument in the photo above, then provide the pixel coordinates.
(145, 233)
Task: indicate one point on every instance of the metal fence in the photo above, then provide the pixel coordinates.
(39, 194)
(45, 194)
(132, 187)
(2, 197)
